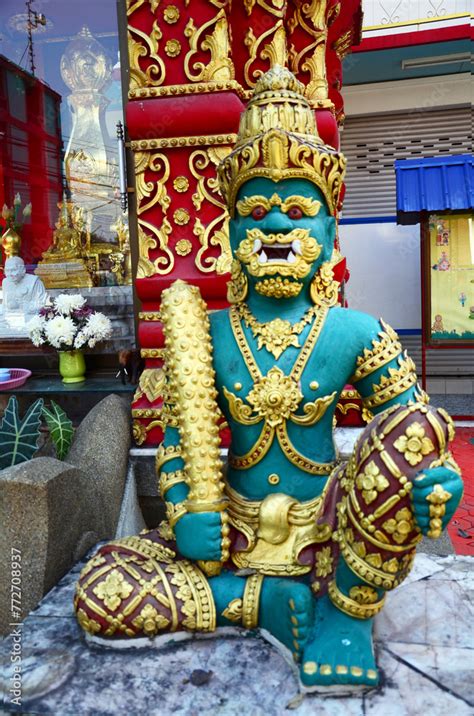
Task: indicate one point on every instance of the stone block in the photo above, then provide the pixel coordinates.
(43, 515)
(53, 511)
(100, 450)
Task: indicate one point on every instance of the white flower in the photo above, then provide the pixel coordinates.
(60, 330)
(80, 339)
(66, 304)
(98, 327)
(36, 323)
(35, 329)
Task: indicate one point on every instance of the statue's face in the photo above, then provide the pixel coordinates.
(281, 233)
(15, 270)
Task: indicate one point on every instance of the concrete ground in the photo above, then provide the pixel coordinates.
(424, 642)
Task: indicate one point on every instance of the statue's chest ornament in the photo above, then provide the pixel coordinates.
(274, 399)
(277, 335)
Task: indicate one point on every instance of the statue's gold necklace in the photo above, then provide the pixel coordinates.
(274, 400)
(276, 335)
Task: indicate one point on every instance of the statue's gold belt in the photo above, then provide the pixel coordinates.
(277, 529)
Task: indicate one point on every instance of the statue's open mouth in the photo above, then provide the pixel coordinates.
(277, 252)
(286, 254)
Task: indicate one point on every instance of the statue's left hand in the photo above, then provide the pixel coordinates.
(436, 494)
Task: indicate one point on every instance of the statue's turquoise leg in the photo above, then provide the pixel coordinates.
(283, 607)
(340, 649)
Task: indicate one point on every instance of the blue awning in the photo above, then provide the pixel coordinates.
(433, 184)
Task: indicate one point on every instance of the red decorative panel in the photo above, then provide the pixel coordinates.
(193, 64)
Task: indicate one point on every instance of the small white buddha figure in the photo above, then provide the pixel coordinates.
(21, 291)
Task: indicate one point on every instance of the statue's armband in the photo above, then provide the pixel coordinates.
(385, 374)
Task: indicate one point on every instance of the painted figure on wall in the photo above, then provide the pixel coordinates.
(284, 538)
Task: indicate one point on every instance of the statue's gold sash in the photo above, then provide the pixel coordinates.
(277, 529)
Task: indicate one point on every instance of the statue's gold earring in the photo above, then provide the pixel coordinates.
(324, 289)
(237, 287)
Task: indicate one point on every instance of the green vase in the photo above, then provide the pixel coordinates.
(72, 366)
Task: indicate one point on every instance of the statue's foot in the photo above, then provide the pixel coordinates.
(339, 650)
(287, 613)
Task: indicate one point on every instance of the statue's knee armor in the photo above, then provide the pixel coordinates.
(137, 587)
(377, 532)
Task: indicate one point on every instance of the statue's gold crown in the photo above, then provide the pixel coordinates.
(278, 139)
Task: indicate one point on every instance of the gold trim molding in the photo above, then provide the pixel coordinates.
(177, 142)
(177, 90)
(149, 316)
(152, 353)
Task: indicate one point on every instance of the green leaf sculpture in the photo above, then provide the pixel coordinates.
(60, 429)
(19, 438)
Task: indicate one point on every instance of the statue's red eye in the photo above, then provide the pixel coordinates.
(294, 212)
(259, 212)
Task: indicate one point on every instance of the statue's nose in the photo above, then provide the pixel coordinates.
(277, 222)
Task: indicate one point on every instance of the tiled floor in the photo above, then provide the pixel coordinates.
(461, 528)
(424, 642)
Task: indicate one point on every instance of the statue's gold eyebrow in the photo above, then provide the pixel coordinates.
(246, 205)
(308, 206)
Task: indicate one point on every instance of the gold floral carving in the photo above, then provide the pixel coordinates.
(237, 287)
(153, 192)
(275, 397)
(274, 50)
(216, 233)
(173, 48)
(181, 184)
(363, 594)
(276, 335)
(113, 590)
(183, 247)
(351, 606)
(414, 445)
(400, 526)
(171, 14)
(150, 193)
(150, 621)
(181, 216)
(371, 482)
(276, 7)
(151, 384)
(146, 46)
(343, 44)
(139, 432)
(89, 625)
(219, 67)
(233, 612)
(310, 17)
(324, 562)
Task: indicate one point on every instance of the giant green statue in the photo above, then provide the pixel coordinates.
(283, 537)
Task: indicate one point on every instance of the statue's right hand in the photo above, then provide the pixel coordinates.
(199, 536)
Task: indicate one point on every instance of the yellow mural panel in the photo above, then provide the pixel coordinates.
(451, 243)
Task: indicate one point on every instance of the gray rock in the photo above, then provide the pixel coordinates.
(100, 450)
(43, 516)
(52, 511)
